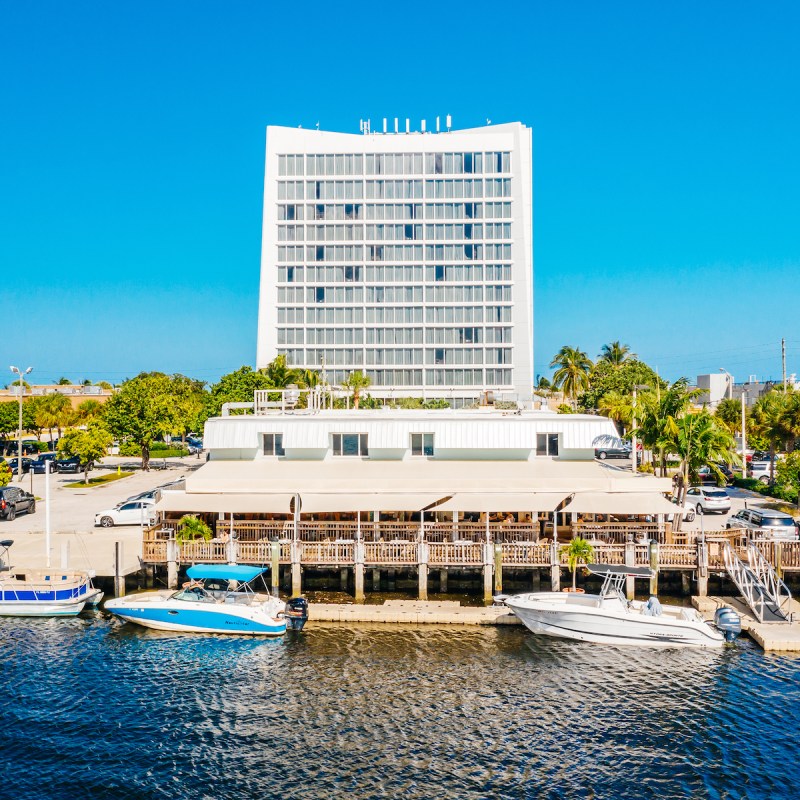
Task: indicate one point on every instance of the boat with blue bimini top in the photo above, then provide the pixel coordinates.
(218, 598)
(610, 618)
(43, 592)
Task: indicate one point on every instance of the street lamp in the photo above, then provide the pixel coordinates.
(17, 371)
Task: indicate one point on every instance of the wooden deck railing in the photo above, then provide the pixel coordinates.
(455, 554)
(377, 553)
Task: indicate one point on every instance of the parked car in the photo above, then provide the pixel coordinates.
(13, 500)
(621, 451)
(759, 470)
(763, 523)
(707, 476)
(707, 500)
(71, 465)
(43, 463)
(137, 512)
(13, 465)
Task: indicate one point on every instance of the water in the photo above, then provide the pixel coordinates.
(99, 709)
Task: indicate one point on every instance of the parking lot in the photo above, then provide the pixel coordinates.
(72, 517)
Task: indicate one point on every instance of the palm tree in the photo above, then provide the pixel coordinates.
(577, 551)
(572, 373)
(618, 407)
(355, 383)
(310, 378)
(700, 440)
(729, 413)
(54, 411)
(775, 418)
(280, 374)
(616, 354)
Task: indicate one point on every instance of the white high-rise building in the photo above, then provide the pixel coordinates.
(405, 255)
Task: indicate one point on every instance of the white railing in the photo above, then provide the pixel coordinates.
(775, 589)
(747, 583)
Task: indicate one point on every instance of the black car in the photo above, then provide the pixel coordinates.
(13, 465)
(45, 462)
(70, 465)
(612, 452)
(13, 500)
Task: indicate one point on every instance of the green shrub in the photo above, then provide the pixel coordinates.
(129, 449)
(191, 528)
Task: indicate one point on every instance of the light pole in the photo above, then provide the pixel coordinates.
(21, 374)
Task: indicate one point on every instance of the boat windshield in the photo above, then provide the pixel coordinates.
(194, 594)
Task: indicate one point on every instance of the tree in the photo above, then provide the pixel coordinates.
(236, 387)
(775, 417)
(104, 385)
(280, 374)
(9, 417)
(62, 381)
(577, 551)
(87, 446)
(310, 378)
(618, 407)
(616, 354)
(788, 475)
(729, 413)
(356, 382)
(54, 411)
(191, 528)
(89, 410)
(700, 440)
(5, 474)
(605, 377)
(190, 404)
(143, 409)
(572, 373)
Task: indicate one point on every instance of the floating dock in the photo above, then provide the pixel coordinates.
(413, 612)
(778, 637)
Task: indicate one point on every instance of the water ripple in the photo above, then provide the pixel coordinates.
(97, 709)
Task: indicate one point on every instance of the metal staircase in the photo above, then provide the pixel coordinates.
(764, 592)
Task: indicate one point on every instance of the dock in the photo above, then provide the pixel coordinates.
(414, 612)
(773, 637)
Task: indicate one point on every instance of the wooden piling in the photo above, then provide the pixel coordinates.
(653, 553)
(275, 566)
(498, 569)
(423, 581)
(443, 581)
(119, 576)
(630, 561)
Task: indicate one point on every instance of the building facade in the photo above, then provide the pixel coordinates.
(405, 255)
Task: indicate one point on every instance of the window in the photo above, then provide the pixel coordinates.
(546, 444)
(273, 444)
(421, 444)
(350, 444)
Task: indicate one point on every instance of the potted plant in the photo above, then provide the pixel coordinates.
(577, 551)
(191, 528)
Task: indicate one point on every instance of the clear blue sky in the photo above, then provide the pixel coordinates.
(666, 167)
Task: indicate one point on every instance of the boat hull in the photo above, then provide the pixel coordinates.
(167, 614)
(45, 594)
(549, 615)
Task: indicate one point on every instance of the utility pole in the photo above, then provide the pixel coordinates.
(783, 361)
(744, 436)
(633, 428)
(21, 374)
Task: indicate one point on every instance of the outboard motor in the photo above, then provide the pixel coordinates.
(728, 623)
(296, 613)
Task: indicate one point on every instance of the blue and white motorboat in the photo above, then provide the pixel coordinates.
(43, 593)
(217, 599)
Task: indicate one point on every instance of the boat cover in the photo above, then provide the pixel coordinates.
(225, 572)
(619, 569)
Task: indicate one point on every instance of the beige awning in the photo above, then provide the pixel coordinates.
(346, 501)
(226, 503)
(620, 503)
(532, 502)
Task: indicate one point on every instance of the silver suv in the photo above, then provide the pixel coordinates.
(764, 524)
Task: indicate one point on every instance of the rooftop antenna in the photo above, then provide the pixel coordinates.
(318, 125)
(488, 121)
(408, 125)
(384, 124)
(437, 124)
(422, 126)
(449, 122)
(395, 124)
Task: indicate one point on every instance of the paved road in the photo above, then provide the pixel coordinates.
(72, 518)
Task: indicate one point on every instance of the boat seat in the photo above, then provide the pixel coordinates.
(652, 608)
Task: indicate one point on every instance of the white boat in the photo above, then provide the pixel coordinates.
(217, 599)
(42, 593)
(610, 618)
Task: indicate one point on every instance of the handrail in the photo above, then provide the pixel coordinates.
(747, 583)
(774, 588)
